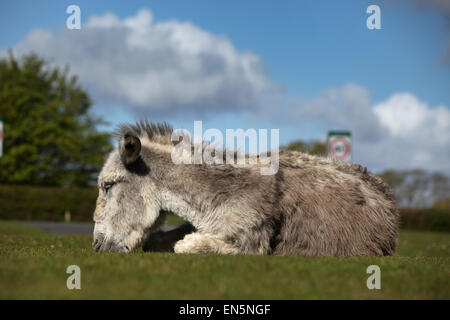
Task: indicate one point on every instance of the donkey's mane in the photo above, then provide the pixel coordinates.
(155, 132)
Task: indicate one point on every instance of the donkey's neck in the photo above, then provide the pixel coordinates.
(181, 206)
(182, 190)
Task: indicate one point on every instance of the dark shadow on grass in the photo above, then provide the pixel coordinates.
(164, 241)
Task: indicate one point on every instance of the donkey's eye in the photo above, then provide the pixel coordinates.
(108, 185)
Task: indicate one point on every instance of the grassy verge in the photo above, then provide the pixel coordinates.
(33, 265)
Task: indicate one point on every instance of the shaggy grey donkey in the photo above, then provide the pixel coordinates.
(312, 206)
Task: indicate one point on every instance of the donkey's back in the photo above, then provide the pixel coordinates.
(334, 209)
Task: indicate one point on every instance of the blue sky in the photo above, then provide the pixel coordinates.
(305, 47)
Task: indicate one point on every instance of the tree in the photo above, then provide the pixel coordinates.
(313, 147)
(417, 187)
(50, 136)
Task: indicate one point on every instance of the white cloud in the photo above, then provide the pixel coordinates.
(346, 107)
(401, 132)
(171, 65)
(401, 114)
(154, 66)
(419, 135)
(405, 116)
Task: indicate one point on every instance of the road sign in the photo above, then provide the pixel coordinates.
(1, 137)
(340, 145)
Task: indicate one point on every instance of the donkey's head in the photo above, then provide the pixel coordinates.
(127, 208)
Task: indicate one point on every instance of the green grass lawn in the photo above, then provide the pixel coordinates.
(33, 266)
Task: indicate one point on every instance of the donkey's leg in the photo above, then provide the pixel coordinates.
(204, 243)
(165, 240)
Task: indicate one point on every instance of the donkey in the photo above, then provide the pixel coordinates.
(313, 206)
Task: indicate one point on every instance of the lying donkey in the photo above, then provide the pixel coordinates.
(312, 206)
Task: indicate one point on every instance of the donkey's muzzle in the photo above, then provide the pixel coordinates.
(98, 241)
(103, 244)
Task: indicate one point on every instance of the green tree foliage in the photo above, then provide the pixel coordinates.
(313, 147)
(50, 137)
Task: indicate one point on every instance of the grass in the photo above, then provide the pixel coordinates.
(33, 266)
(173, 220)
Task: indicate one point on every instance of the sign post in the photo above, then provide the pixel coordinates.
(1, 137)
(340, 145)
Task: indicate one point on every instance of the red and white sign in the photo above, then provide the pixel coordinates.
(340, 147)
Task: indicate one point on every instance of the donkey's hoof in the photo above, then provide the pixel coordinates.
(193, 243)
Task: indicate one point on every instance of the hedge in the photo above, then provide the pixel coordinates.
(425, 219)
(18, 202)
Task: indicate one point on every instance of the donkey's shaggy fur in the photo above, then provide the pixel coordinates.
(312, 206)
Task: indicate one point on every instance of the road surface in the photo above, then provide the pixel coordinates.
(71, 228)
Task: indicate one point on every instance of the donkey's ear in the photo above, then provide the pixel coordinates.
(129, 149)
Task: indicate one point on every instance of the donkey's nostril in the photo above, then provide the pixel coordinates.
(98, 242)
